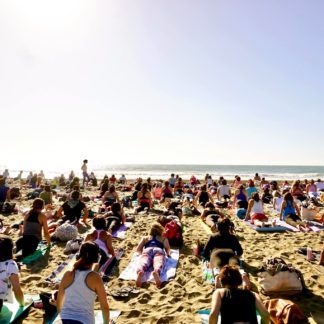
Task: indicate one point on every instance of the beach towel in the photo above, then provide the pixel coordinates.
(277, 228)
(120, 232)
(12, 311)
(168, 272)
(204, 315)
(114, 314)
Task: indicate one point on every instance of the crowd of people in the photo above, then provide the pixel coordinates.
(61, 201)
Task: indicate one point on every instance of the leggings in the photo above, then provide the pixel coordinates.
(293, 220)
(28, 244)
(151, 256)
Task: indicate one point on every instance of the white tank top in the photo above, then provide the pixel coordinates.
(101, 244)
(79, 300)
(257, 207)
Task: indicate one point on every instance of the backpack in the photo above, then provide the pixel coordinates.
(173, 232)
(283, 311)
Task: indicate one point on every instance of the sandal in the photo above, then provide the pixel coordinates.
(124, 292)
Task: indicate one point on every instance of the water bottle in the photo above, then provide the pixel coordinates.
(309, 254)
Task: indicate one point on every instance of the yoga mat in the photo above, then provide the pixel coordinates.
(121, 230)
(39, 253)
(12, 311)
(277, 228)
(168, 272)
(57, 275)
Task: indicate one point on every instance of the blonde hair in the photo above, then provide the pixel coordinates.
(156, 229)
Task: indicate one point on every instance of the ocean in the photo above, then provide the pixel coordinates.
(163, 171)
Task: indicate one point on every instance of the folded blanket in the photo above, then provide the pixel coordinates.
(168, 272)
(121, 230)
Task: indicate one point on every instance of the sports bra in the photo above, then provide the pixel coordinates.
(154, 242)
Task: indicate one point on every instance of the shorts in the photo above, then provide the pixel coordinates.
(259, 217)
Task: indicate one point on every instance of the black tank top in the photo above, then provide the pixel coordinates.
(204, 197)
(238, 306)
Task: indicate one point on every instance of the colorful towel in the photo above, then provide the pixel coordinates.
(168, 272)
(114, 314)
(204, 315)
(121, 230)
(12, 311)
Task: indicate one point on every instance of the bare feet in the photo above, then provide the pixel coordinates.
(140, 275)
(157, 279)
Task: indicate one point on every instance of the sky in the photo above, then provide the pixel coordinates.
(163, 81)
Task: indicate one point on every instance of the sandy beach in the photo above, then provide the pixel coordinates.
(178, 300)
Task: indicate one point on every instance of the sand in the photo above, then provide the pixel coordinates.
(178, 300)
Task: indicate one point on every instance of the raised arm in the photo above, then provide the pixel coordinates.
(250, 205)
(102, 296)
(265, 316)
(45, 229)
(167, 247)
(141, 244)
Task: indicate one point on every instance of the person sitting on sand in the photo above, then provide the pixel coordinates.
(297, 192)
(80, 288)
(266, 196)
(257, 177)
(47, 195)
(34, 222)
(111, 196)
(290, 213)
(122, 179)
(172, 180)
(211, 216)
(75, 182)
(251, 189)
(144, 199)
(233, 304)
(203, 196)
(311, 189)
(256, 213)
(223, 247)
(72, 210)
(115, 217)
(193, 180)
(153, 250)
(166, 192)
(4, 191)
(71, 175)
(240, 197)
(178, 187)
(9, 274)
(102, 238)
(224, 190)
(93, 179)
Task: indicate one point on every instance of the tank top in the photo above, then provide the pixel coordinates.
(241, 196)
(203, 198)
(238, 306)
(79, 300)
(251, 190)
(101, 244)
(46, 196)
(32, 226)
(154, 242)
(257, 207)
(224, 190)
(288, 210)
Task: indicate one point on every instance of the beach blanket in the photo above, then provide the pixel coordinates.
(277, 228)
(41, 250)
(168, 272)
(204, 315)
(120, 233)
(114, 314)
(12, 311)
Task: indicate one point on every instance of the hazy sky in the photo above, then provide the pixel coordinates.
(163, 81)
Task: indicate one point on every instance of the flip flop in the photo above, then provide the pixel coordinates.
(124, 292)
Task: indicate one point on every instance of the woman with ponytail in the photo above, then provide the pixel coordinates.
(79, 289)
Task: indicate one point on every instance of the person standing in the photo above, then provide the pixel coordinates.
(85, 174)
